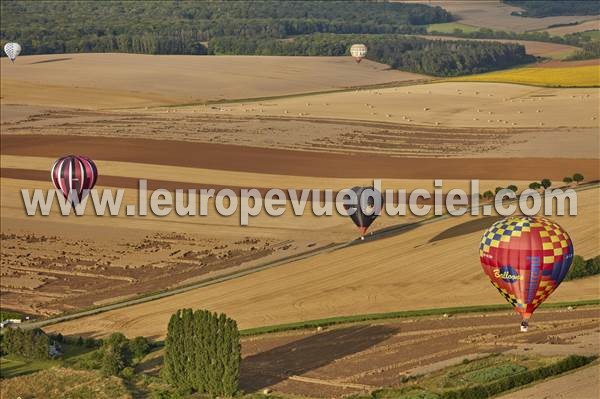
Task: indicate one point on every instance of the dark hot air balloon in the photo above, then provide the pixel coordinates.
(366, 214)
(74, 172)
(526, 259)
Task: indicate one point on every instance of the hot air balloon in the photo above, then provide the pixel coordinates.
(526, 258)
(363, 216)
(12, 50)
(358, 51)
(74, 172)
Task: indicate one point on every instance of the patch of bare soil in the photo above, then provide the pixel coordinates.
(296, 163)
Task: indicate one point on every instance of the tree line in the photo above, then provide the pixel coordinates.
(577, 39)
(31, 344)
(178, 27)
(589, 51)
(431, 57)
(583, 268)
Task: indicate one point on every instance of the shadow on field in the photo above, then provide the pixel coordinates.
(309, 353)
(467, 228)
(46, 61)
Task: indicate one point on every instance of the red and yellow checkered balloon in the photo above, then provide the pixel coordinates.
(526, 258)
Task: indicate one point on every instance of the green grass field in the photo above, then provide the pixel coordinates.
(593, 34)
(450, 27)
(12, 366)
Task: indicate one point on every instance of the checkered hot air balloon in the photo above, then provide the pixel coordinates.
(526, 258)
(12, 50)
(74, 173)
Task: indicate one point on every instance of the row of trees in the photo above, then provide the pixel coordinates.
(432, 57)
(577, 178)
(542, 184)
(177, 27)
(202, 353)
(31, 344)
(589, 51)
(583, 268)
(572, 39)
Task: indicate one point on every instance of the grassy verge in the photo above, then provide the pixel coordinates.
(12, 366)
(60, 383)
(398, 315)
(581, 76)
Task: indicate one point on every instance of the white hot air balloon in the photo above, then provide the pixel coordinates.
(358, 51)
(12, 50)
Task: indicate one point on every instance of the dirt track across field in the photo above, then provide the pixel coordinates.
(295, 163)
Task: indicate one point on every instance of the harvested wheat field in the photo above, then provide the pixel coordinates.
(449, 104)
(406, 138)
(494, 14)
(132, 80)
(397, 273)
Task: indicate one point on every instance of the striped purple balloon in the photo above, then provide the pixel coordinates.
(74, 172)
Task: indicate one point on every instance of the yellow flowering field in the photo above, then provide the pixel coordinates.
(574, 76)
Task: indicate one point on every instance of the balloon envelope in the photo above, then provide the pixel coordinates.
(366, 209)
(358, 51)
(12, 50)
(526, 258)
(74, 172)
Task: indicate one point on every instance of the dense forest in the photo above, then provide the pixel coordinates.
(178, 27)
(550, 8)
(432, 57)
(317, 28)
